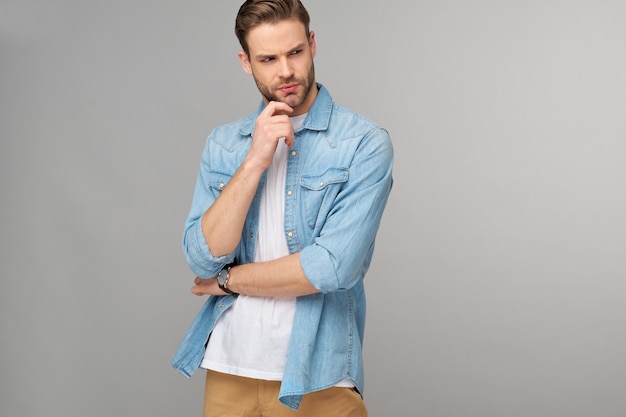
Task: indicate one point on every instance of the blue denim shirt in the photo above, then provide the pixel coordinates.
(339, 176)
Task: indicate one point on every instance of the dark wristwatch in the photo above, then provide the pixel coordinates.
(222, 279)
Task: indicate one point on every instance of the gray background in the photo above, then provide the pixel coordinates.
(498, 284)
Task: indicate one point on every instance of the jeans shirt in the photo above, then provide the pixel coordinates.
(339, 176)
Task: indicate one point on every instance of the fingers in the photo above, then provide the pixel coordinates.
(202, 287)
(206, 286)
(274, 120)
(276, 108)
(272, 124)
(275, 117)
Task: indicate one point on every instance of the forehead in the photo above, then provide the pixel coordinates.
(272, 38)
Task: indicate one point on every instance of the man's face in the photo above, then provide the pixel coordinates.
(281, 62)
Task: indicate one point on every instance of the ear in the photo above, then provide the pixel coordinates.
(312, 43)
(245, 62)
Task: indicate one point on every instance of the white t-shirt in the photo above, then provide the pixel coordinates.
(251, 338)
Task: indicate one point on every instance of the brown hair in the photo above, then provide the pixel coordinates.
(255, 12)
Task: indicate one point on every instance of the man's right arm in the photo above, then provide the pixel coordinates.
(223, 221)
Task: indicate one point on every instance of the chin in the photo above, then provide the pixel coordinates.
(293, 101)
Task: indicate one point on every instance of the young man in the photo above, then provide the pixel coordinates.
(281, 233)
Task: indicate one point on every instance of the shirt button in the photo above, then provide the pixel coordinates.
(322, 184)
(290, 234)
(221, 185)
(293, 153)
(289, 192)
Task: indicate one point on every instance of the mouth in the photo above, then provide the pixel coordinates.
(288, 89)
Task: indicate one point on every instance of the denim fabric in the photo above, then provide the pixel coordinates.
(339, 176)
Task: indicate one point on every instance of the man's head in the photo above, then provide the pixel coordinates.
(278, 51)
(255, 12)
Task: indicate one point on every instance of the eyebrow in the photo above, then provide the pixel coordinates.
(295, 48)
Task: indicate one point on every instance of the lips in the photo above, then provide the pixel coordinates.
(289, 89)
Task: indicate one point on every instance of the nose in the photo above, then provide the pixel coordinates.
(285, 69)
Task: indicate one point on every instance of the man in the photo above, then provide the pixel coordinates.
(281, 233)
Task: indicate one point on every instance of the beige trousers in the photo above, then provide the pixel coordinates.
(234, 396)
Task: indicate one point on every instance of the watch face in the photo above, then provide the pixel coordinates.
(221, 277)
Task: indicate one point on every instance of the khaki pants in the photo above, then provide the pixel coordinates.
(235, 396)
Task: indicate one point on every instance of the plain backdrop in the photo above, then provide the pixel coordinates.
(498, 287)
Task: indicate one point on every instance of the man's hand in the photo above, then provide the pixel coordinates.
(271, 125)
(206, 286)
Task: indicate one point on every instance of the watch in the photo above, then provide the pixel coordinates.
(222, 279)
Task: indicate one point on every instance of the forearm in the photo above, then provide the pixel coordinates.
(282, 277)
(223, 222)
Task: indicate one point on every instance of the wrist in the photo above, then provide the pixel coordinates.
(254, 165)
(223, 279)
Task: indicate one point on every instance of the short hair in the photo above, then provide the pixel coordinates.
(256, 12)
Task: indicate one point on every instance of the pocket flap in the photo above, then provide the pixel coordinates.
(318, 182)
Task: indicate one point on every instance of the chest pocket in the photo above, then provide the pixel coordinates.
(318, 194)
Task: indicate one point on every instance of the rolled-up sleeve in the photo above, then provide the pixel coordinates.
(195, 248)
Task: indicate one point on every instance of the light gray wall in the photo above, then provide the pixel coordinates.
(498, 287)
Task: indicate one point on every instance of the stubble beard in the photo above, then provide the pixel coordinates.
(293, 100)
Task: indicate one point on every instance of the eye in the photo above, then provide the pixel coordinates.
(296, 52)
(267, 59)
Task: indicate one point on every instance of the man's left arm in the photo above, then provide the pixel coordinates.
(282, 277)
